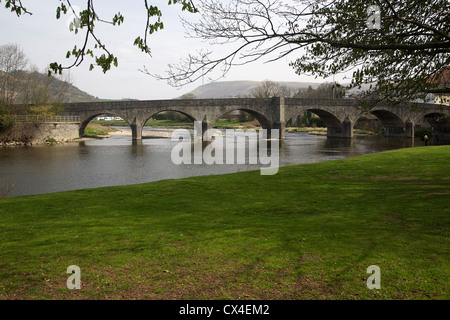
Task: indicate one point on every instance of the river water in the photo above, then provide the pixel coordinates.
(119, 161)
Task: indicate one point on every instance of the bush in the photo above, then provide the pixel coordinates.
(317, 122)
(172, 116)
(19, 132)
(51, 140)
(6, 123)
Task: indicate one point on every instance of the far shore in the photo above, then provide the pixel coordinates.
(159, 133)
(155, 133)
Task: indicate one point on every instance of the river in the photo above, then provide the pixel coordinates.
(118, 161)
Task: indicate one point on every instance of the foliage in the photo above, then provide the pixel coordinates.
(324, 91)
(188, 96)
(97, 130)
(396, 47)
(87, 20)
(270, 89)
(6, 122)
(310, 120)
(267, 89)
(172, 116)
(327, 37)
(12, 62)
(22, 133)
(22, 83)
(51, 140)
(44, 110)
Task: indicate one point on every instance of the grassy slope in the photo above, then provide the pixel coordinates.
(309, 232)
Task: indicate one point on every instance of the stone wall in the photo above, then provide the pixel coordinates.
(61, 132)
(39, 133)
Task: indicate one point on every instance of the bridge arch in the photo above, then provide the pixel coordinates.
(88, 118)
(388, 118)
(439, 121)
(392, 123)
(150, 115)
(139, 126)
(262, 119)
(336, 127)
(331, 121)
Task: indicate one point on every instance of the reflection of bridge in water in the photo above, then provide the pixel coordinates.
(339, 115)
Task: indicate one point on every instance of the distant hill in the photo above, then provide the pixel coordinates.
(35, 87)
(74, 94)
(228, 89)
(67, 91)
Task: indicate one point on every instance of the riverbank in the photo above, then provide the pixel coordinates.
(166, 132)
(310, 232)
(159, 129)
(323, 131)
(36, 133)
(154, 133)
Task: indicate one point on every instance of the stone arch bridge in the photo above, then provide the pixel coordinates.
(339, 115)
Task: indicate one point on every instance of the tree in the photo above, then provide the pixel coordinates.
(86, 21)
(393, 46)
(324, 91)
(188, 96)
(267, 89)
(12, 63)
(42, 90)
(22, 83)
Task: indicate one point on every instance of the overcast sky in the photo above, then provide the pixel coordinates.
(44, 39)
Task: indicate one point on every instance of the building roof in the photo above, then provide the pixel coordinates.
(442, 78)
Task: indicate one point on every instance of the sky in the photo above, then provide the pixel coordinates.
(44, 39)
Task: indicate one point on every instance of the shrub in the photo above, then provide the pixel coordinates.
(6, 123)
(51, 140)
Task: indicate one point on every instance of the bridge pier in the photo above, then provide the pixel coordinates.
(206, 130)
(279, 126)
(81, 131)
(136, 131)
(295, 121)
(347, 128)
(278, 106)
(407, 131)
(345, 131)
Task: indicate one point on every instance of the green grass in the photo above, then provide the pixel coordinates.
(94, 129)
(89, 131)
(310, 232)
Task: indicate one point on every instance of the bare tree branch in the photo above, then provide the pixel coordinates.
(327, 37)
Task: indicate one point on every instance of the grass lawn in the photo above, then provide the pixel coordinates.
(310, 232)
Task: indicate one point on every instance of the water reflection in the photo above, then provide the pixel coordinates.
(120, 161)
